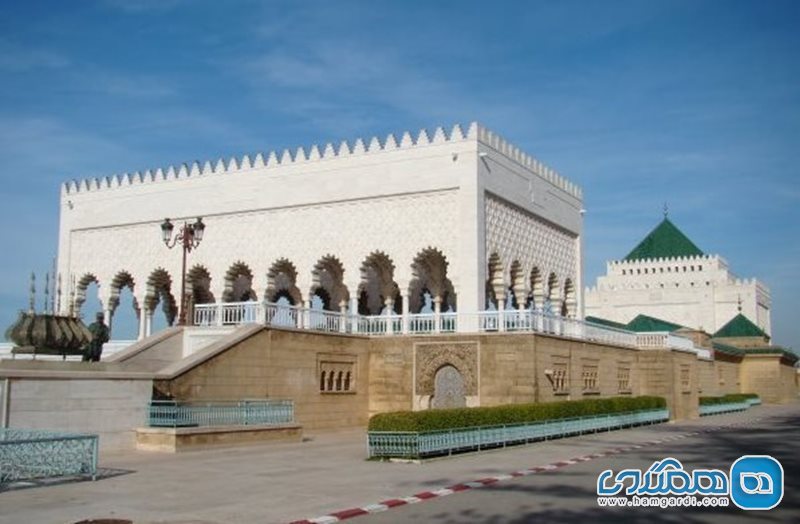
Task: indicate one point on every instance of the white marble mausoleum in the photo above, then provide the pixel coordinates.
(444, 223)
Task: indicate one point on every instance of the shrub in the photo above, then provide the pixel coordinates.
(439, 419)
(727, 399)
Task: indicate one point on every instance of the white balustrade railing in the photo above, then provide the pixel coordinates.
(284, 316)
(526, 321)
(664, 340)
(652, 340)
(421, 323)
(676, 342)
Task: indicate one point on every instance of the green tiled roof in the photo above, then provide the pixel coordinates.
(786, 353)
(665, 241)
(604, 322)
(644, 324)
(725, 348)
(640, 324)
(740, 326)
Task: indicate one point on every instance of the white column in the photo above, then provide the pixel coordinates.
(437, 314)
(521, 321)
(142, 324)
(389, 303)
(404, 305)
(354, 314)
(343, 317)
(148, 324)
(263, 313)
(501, 312)
(305, 317)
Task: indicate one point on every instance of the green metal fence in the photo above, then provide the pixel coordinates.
(446, 442)
(172, 414)
(27, 454)
(718, 409)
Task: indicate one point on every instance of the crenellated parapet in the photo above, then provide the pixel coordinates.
(514, 153)
(328, 152)
(648, 262)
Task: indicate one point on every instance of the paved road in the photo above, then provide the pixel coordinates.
(568, 495)
(282, 482)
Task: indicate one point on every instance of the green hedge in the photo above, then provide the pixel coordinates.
(727, 399)
(438, 419)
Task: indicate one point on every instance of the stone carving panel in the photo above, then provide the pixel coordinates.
(431, 357)
(515, 234)
(449, 390)
(351, 231)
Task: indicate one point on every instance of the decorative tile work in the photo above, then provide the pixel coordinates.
(515, 234)
(430, 357)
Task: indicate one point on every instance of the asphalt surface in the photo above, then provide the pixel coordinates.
(569, 495)
(328, 472)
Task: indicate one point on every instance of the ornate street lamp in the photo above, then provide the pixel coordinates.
(189, 237)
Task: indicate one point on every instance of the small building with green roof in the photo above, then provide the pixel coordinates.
(740, 331)
(667, 276)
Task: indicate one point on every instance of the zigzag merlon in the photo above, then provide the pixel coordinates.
(647, 262)
(358, 147)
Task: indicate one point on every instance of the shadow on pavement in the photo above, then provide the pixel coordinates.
(559, 502)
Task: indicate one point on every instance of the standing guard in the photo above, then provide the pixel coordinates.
(100, 336)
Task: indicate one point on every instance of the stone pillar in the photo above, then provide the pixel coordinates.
(148, 323)
(142, 324)
(354, 314)
(501, 311)
(389, 303)
(521, 294)
(404, 294)
(343, 317)
(220, 308)
(304, 319)
(437, 314)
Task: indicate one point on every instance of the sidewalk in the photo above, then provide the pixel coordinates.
(288, 481)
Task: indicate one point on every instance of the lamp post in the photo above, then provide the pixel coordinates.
(189, 237)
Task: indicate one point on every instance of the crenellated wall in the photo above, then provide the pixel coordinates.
(324, 208)
(315, 153)
(698, 292)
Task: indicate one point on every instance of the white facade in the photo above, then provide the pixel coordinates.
(389, 218)
(698, 292)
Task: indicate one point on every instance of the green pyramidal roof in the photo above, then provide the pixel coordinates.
(665, 241)
(740, 326)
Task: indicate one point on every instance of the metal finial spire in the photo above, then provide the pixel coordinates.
(53, 288)
(58, 294)
(740, 303)
(46, 306)
(666, 210)
(32, 299)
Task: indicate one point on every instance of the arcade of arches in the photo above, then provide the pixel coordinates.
(378, 292)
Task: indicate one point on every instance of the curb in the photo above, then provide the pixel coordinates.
(388, 504)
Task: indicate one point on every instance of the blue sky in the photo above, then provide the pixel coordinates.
(696, 103)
